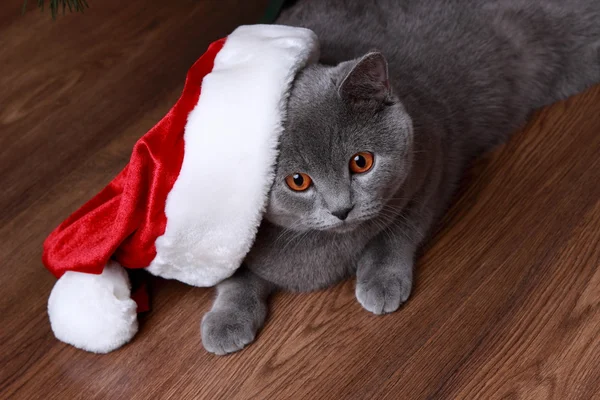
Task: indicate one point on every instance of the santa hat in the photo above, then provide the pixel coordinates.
(189, 202)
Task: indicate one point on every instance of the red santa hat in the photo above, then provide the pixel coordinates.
(188, 204)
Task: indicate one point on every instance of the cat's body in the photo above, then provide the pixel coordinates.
(464, 74)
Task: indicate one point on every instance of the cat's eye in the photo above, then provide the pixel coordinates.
(361, 162)
(298, 181)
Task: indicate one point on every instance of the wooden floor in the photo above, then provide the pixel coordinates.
(507, 300)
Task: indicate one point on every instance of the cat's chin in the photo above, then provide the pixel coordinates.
(345, 227)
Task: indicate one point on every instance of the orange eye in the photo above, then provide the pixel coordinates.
(298, 182)
(361, 162)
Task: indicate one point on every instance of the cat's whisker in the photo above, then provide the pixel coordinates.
(299, 240)
(291, 240)
(285, 232)
(384, 229)
(398, 219)
(384, 226)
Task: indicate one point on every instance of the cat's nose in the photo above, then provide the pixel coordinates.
(342, 213)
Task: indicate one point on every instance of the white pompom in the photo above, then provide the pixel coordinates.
(93, 312)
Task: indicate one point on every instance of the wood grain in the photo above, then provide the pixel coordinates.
(507, 300)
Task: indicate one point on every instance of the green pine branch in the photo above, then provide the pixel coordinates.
(272, 12)
(56, 5)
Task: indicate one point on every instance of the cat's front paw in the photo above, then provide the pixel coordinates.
(384, 293)
(226, 331)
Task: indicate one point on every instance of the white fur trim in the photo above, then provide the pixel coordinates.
(93, 312)
(231, 139)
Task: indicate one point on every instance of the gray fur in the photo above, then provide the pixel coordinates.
(463, 75)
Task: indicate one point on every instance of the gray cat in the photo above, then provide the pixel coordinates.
(373, 148)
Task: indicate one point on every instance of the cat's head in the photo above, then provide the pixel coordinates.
(346, 148)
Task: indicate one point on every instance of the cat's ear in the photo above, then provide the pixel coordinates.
(367, 81)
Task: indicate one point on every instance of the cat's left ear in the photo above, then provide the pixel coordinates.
(367, 81)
